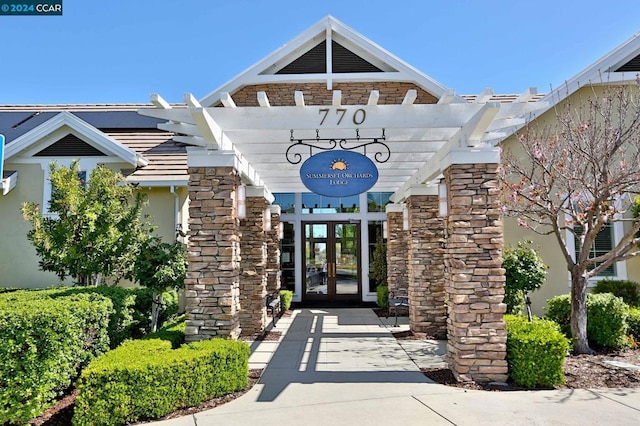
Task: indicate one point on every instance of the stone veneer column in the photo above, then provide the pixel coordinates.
(212, 283)
(273, 251)
(427, 312)
(474, 278)
(253, 283)
(397, 278)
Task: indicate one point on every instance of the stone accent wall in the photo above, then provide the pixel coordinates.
(253, 283)
(397, 276)
(273, 255)
(475, 279)
(427, 313)
(212, 285)
(317, 94)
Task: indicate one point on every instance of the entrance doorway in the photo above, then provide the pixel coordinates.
(331, 254)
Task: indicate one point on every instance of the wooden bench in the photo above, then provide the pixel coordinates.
(273, 303)
(396, 301)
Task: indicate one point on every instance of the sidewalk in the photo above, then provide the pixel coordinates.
(343, 367)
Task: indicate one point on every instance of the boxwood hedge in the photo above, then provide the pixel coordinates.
(45, 342)
(146, 379)
(535, 352)
(606, 318)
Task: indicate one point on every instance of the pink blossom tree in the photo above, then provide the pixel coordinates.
(575, 177)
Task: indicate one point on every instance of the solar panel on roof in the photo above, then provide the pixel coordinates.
(14, 124)
(118, 119)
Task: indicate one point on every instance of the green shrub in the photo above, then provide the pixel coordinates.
(559, 311)
(606, 318)
(633, 321)
(146, 379)
(383, 296)
(535, 352)
(45, 342)
(286, 296)
(629, 291)
(172, 332)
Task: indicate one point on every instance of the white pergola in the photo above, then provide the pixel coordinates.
(419, 136)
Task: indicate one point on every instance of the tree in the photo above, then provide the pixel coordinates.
(524, 271)
(94, 229)
(575, 177)
(159, 266)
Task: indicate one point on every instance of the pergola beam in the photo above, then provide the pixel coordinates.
(410, 97)
(373, 98)
(474, 128)
(227, 100)
(263, 100)
(337, 98)
(159, 101)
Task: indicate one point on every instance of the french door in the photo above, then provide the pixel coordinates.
(331, 264)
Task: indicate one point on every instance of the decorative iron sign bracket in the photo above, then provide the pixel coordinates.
(381, 155)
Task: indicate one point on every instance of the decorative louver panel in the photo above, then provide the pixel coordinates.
(632, 65)
(312, 62)
(342, 61)
(70, 146)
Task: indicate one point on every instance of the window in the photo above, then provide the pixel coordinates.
(603, 244)
(376, 201)
(286, 201)
(314, 203)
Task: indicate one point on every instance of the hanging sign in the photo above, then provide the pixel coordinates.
(339, 173)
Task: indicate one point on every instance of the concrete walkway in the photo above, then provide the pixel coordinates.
(343, 367)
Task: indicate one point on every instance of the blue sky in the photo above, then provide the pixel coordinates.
(123, 50)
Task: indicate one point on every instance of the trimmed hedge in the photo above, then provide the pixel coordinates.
(131, 318)
(146, 379)
(633, 321)
(606, 318)
(535, 352)
(286, 296)
(45, 342)
(629, 291)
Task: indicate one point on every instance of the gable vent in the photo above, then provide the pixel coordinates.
(342, 61)
(632, 65)
(312, 62)
(70, 146)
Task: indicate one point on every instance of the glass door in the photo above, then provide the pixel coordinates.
(331, 260)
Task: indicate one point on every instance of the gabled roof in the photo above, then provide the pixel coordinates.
(617, 66)
(353, 47)
(81, 129)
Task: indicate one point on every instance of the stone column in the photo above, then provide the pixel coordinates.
(427, 313)
(474, 276)
(273, 251)
(397, 278)
(212, 283)
(253, 284)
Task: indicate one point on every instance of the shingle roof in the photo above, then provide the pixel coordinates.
(167, 159)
